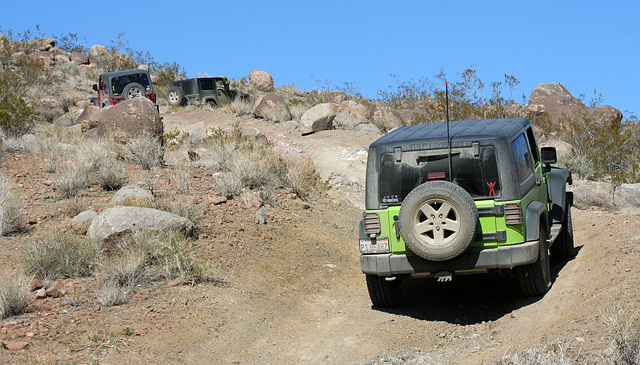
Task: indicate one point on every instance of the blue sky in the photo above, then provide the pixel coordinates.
(581, 44)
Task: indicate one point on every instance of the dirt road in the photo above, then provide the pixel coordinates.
(294, 294)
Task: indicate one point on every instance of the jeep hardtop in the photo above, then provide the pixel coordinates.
(475, 196)
(202, 90)
(114, 87)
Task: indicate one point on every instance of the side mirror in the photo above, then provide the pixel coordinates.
(95, 87)
(549, 155)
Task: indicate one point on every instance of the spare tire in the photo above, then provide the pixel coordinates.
(133, 90)
(175, 96)
(438, 220)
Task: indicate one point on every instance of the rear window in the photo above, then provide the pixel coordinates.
(118, 83)
(474, 169)
(207, 84)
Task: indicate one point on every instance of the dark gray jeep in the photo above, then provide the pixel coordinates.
(202, 90)
(473, 197)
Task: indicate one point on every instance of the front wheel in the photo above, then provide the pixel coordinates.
(384, 293)
(563, 247)
(535, 279)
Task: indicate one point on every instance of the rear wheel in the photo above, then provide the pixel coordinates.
(563, 248)
(535, 279)
(384, 293)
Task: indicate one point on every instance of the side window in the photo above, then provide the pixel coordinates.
(522, 158)
(534, 146)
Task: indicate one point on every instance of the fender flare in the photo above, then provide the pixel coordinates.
(536, 215)
(557, 180)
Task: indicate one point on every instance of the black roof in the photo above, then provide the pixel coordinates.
(125, 72)
(477, 128)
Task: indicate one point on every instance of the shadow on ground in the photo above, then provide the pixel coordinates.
(467, 299)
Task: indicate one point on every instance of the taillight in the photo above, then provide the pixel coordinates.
(371, 223)
(513, 213)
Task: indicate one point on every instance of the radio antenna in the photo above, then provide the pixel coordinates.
(446, 93)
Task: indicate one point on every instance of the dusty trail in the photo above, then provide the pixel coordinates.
(295, 294)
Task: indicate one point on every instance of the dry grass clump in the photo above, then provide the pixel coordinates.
(13, 289)
(240, 107)
(72, 179)
(626, 330)
(110, 295)
(246, 162)
(11, 209)
(95, 163)
(184, 208)
(60, 256)
(125, 268)
(146, 151)
(299, 175)
(181, 180)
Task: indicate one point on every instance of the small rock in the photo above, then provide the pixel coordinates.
(261, 217)
(41, 293)
(36, 284)
(218, 200)
(14, 345)
(57, 291)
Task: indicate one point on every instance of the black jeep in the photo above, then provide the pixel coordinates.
(202, 90)
(114, 87)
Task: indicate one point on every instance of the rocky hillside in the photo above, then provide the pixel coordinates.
(237, 246)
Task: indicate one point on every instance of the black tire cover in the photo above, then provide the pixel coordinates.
(438, 220)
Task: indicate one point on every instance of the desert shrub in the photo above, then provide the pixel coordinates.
(146, 151)
(174, 253)
(625, 325)
(240, 107)
(298, 175)
(181, 180)
(13, 293)
(182, 207)
(125, 268)
(111, 174)
(111, 294)
(73, 179)
(60, 256)
(227, 183)
(11, 209)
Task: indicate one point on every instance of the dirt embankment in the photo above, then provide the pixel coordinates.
(294, 293)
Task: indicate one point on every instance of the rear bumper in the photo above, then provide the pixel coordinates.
(503, 257)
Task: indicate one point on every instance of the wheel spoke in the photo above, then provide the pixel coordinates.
(424, 227)
(452, 225)
(428, 210)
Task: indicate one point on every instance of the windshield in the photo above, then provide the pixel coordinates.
(474, 169)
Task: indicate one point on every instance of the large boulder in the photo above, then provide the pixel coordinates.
(133, 117)
(351, 113)
(79, 58)
(588, 194)
(99, 55)
(627, 198)
(121, 220)
(386, 118)
(261, 80)
(552, 99)
(272, 107)
(318, 118)
(555, 102)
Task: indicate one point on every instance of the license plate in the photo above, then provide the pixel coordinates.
(379, 245)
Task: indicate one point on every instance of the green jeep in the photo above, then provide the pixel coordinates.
(474, 196)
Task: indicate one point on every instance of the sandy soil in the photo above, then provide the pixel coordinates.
(291, 290)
